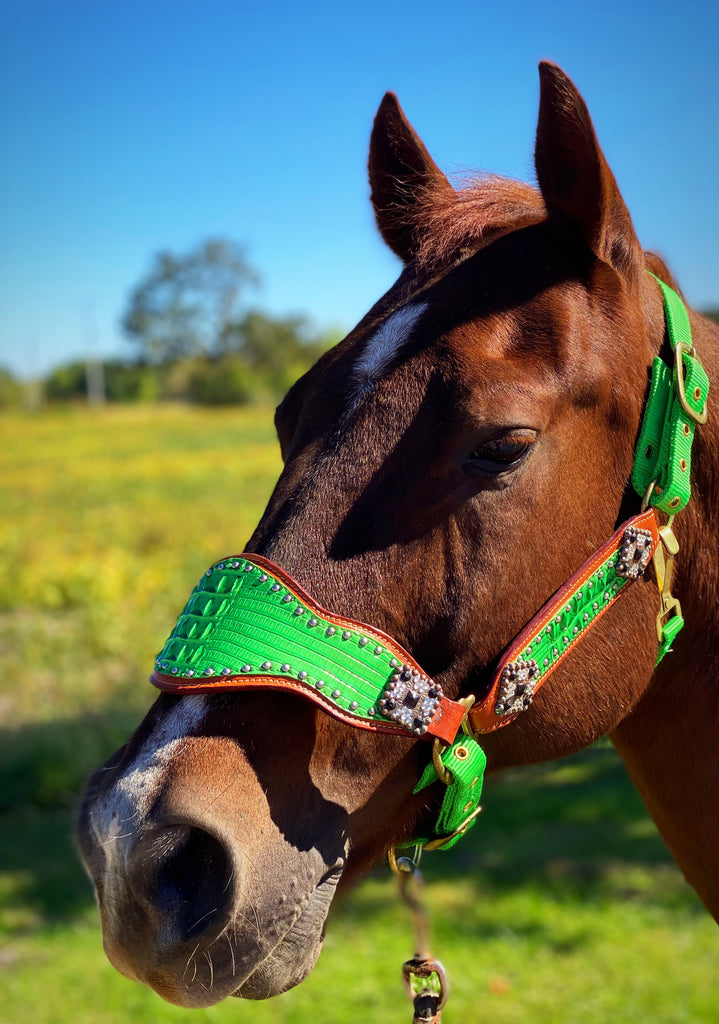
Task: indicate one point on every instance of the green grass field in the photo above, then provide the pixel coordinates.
(561, 906)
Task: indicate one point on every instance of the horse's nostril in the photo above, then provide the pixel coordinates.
(183, 875)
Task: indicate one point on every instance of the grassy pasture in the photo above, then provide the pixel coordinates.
(561, 906)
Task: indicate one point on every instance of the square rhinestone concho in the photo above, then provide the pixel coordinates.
(634, 553)
(516, 688)
(410, 699)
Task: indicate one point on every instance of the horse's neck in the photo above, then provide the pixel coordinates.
(669, 745)
(670, 742)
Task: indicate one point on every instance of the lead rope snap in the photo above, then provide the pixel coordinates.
(425, 979)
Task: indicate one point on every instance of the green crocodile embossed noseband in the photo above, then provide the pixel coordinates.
(249, 625)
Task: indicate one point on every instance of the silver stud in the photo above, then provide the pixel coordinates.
(555, 652)
(378, 650)
(558, 619)
(354, 705)
(209, 572)
(579, 596)
(393, 663)
(590, 584)
(267, 665)
(595, 606)
(263, 577)
(548, 630)
(565, 639)
(546, 662)
(320, 683)
(285, 667)
(287, 598)
(302, 674)
(575, 630)
(336, 694)
(330, 631)
(248, 567)
(346, 635)
(600, 574)
(363, 641)
(606, 595)
(175, 670)
(247, 668)
(275, 587)
(227, 672)
(371, 711)
(221, 565)
(299, 611)
(586, 617)
(209, 671)
(312, 622)
(190, 672)
(529, 650)
(568, 608)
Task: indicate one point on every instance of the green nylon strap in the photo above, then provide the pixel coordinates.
(676, 403)
(663, 453)
(670, 630)
(465, 761)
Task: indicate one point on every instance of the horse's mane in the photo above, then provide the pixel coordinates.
(450, 223)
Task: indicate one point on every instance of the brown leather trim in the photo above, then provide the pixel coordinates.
(445, 724)
(482, 717)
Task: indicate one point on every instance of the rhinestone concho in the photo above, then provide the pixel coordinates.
(634, 553)
(516, 688)
(411, 699)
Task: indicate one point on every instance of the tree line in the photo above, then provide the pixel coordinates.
(193, 337)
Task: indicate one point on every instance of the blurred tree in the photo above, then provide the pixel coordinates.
(124, 382)
(11, 390)
(186, 304)
(277, 350)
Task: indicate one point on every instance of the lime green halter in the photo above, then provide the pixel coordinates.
(249, 625)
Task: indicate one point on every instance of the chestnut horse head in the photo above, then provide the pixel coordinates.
(446, 468)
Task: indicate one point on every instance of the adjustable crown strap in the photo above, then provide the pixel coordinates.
(677, 403)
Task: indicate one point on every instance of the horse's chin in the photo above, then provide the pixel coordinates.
(206, 979)
(296, 954)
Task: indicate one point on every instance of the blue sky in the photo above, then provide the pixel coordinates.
(130, 126)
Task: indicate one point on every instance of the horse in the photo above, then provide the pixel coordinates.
(447, 467)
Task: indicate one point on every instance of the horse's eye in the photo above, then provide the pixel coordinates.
(501, 453)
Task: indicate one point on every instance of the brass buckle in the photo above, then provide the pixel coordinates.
(681, 348)
(664, 571)
(671, 608)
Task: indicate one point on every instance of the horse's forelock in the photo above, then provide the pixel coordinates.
(451, 224)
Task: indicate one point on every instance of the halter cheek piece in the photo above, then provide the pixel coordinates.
(249, 625)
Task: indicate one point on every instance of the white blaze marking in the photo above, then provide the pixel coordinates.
(383, 346)
(118, 815)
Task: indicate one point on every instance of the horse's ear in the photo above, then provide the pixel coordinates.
(579, 189)
(401, 175)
